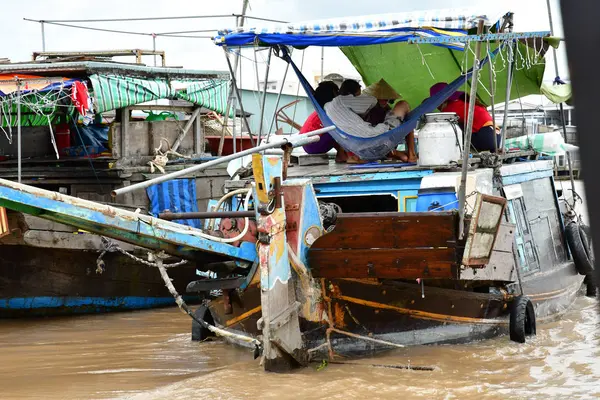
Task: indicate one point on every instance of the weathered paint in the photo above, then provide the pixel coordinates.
(83, 304)
(528, 176)
(367, 187)
(141, 230)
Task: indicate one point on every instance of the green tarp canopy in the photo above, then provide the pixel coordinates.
(112, 92)
(412, 69)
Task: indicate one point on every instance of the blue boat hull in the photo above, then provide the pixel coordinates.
(40, 282)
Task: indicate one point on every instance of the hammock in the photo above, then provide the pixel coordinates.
(375, 148)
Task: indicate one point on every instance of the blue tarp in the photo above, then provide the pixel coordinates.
(363, 30)
(176, 196)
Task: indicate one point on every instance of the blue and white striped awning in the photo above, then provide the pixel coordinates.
(361, 30)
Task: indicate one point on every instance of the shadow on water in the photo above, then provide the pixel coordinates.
(148, 355)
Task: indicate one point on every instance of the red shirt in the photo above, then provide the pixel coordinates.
(481, 117)
(312, 123)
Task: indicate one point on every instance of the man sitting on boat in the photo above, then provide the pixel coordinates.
(484, 132)
(348, 110)
(386, 96)
(324, 93)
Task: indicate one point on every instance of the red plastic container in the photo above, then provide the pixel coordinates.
(63, 136)
(241, 143)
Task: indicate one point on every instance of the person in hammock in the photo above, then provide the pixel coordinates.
(386, 95)
(324, 93)
(484, 131)
(348, 110)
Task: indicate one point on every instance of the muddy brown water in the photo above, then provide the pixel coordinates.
(149, 355)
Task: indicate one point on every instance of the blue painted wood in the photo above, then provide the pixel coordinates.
(529, 176)
(380, 165)
(368, 187)
(130, 230)
(41, 306)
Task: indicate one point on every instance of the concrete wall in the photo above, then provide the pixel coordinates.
(252, 101)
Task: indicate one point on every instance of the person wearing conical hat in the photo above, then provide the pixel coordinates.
(385, 94)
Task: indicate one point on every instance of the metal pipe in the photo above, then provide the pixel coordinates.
(19, 130)
(239, 96)
(322, 62)
(294, 140)
(264, 99)
(468, 132)
(562, 112)
(43, 37)
(509, 78)
(168, 216)
(278, 99)
(154, 47)
(492, 100)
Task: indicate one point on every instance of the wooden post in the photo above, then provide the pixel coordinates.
(124, 130)
(186, 128)
(198, 136)
(468, 132)
(282, 339)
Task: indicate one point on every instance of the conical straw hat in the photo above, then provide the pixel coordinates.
(382, 90)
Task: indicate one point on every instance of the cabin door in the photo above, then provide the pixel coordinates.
(528, 258)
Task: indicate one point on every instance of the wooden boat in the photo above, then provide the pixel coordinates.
(351, 260)
(48, 268)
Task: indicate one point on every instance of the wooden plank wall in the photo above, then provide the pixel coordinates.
(388, 246)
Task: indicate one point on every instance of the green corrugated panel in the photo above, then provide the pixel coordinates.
(413, 69)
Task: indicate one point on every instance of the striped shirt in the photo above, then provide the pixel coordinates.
(346, 113)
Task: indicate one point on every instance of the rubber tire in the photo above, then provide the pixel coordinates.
(579, 244)
(591, 290)
(522, 319)
(199, 332)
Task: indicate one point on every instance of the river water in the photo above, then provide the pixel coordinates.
(149, 355)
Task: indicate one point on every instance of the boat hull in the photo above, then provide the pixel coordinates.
(38, 282)
(397, 312)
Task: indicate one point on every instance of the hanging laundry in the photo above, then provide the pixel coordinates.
(80, 97)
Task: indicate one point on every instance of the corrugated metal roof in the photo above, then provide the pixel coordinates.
(82, 68)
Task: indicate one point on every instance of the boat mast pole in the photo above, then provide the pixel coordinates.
(43, 36)
(562, 111)
(18, 130)
(239, 96)
(462, 195)
(509, 77)
(492, 95)
(239, 19)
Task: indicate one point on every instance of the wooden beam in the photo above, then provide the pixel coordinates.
(391, 231)
(187, 127)
(124, 130)
(407, 263)
(158, 107)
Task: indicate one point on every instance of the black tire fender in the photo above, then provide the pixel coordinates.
(522, 319)
(581, 247)
(200, 332)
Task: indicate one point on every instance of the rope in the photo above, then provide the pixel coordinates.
(111, 247)
(184, 307)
